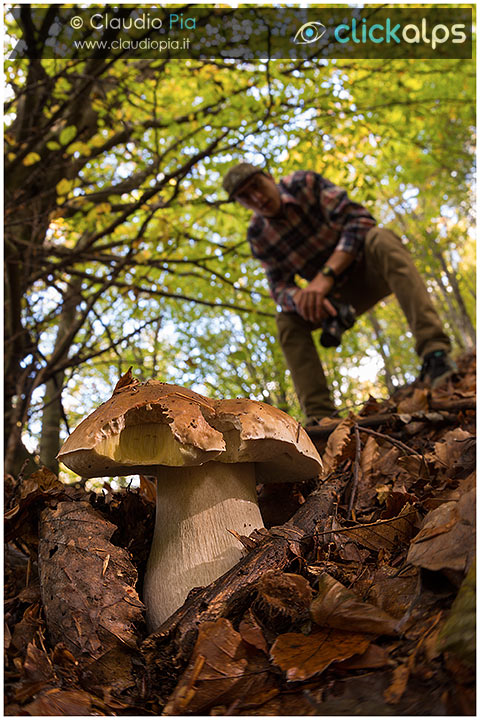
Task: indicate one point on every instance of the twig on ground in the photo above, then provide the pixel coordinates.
(356, 471)
(393, 441)
(445, 412)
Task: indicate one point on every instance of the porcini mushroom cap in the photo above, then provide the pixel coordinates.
(153, 423)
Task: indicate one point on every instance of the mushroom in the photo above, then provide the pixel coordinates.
(207, 456)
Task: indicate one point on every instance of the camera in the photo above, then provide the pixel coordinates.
(334, 327)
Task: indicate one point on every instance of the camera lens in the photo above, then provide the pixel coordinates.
(332, 334)
(334, 327)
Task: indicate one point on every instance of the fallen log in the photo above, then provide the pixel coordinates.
(91, 606)
(87, 583)
(455, 405)
(168, 649)
(438, 413)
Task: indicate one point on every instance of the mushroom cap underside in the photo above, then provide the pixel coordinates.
(152, 424)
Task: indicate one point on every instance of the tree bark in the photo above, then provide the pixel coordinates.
(445, 302)
(464, 317)
(52, 400)
(386, 360)
(88, 588)
(30, 198)
(51, 418)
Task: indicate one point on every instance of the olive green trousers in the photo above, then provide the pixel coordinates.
(386, 267)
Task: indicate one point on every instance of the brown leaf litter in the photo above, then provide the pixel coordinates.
(356, 616)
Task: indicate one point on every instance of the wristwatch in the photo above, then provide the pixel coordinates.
(328, 272)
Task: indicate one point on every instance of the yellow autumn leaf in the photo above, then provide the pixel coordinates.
(103, 207)
(64, 187)
(98, 210)
(67, 134)
(97, 141)
(80, 147)
(31, 158)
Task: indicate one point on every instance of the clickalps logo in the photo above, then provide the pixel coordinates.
(363, 32)
(309, 32)
(387, 32)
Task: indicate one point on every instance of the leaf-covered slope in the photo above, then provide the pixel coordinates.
(367, 606)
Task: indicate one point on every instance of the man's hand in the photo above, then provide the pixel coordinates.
(312, 303)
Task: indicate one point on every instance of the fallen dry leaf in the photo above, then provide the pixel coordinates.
(338, 443)
(340, 544)
(61, 702)
(387, 463)
(366, 477)
(301, 657)
(41, 486)
(37, 665)
(415, 466)
(395, 691)
(373, 406)
(368, 458)
(393, 592)
(402, 672)
(282, 704)
(346, 549)
(115, 670)
(217, 664)
(125, 381)
(27, 627)
(385, 534)
(450, 448)
(382, 492)
(7, 636)
(373, 657)
(418, 401)
(221, 670)
(395, 502)
(447, 537)
(337, 607)
(44, 480)
(251, 631)
(148, 489)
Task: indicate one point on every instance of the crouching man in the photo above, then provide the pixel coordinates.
(306, 226)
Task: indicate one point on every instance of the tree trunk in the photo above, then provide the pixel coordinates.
(51, 419)
(52, 399)
(464, 318)
(30, 198)
(451, 314)
(381, 347)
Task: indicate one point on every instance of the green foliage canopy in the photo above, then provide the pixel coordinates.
(121, 248)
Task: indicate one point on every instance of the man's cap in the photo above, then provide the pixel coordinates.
(238, 175)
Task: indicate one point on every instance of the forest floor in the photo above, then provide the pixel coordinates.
(368, 609)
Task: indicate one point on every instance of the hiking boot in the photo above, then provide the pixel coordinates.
(437, 367)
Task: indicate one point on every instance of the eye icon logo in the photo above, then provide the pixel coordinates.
(309, 32)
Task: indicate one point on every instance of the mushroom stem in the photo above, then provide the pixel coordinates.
(196, 506)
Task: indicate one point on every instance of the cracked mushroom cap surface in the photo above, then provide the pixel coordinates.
(149, 424)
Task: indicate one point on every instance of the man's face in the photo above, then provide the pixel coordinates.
(261, 195)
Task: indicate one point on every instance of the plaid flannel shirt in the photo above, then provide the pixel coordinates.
(318, 217)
